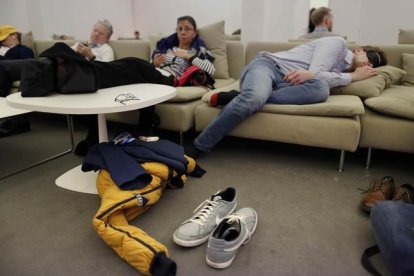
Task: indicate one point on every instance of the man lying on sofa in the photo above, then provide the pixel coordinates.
(302, 75)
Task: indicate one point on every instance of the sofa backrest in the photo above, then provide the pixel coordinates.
(131, 48)
(235, 58)
(406, 36)
(42, 45)
(393, 52)
(253, 48)
(141, 49)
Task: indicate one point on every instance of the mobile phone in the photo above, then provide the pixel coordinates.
(148, 138)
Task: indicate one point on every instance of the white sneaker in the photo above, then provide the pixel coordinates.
(208, 215)
(234, 231)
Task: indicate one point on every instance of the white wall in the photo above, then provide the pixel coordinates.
(160, 16)
(363, 21)
(75, 17)
(372, 21)
(274, 20)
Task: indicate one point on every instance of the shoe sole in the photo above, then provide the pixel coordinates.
(228, 263)
(198, 242)
(220, 265)
(191, 243)
(365, 208)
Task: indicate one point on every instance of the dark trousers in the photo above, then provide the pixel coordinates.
(393, 224)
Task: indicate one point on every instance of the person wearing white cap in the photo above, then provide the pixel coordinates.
(12, 49)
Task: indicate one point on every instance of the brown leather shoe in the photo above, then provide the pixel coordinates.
(404, 193)
(379, 189)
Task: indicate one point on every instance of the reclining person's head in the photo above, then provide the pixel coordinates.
(9, 36)
(368, 55)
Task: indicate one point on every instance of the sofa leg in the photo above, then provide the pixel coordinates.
(341, 161)
(181, 138)
(368, 163)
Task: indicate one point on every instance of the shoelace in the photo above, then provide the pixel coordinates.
(234, 217)
(203, 213)
(374, 186)
(404, 195)
(240, 218)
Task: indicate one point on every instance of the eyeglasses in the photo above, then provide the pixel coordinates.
(185, 29)
(122, 98)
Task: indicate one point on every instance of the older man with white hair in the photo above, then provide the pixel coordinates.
(97, 48)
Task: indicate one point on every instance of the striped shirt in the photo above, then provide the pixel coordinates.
(176, 65)
(326, 57)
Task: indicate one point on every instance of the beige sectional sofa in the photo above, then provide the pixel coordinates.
(176, 114)
(375, 113)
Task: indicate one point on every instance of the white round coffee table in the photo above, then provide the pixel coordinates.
(108, 100)
(8, 111)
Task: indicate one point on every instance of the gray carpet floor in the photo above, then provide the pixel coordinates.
(309, 220)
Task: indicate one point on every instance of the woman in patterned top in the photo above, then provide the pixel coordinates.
(182, 49)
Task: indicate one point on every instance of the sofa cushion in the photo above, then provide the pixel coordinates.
(393, 73)
(214, 37)
(190, 93)
(368, 88)
(338, 105)
(27, 40)
(374, 86)
(335, 106)
(398, 100)
(406, 36)
(408, 66)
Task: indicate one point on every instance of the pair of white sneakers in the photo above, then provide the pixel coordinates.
(215, 221)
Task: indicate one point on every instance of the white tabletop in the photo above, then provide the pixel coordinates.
(100, 102)
(108, 100)
(8, 111)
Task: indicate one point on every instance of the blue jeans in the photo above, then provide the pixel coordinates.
(393, 223)
(261, 82)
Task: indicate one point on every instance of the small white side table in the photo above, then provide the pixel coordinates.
(108, 100)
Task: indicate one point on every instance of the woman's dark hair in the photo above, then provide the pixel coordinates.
(311, 26)
(189, 19)
(375, 56)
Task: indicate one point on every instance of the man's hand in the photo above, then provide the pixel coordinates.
(296, 77)
(158, 59)
(183, 54)
(84, 50)
(362, 73)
